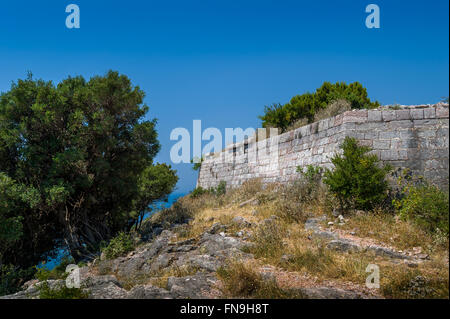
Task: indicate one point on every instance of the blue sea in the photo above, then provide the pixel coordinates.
(53, 262)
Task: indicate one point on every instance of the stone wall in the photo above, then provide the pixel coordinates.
(415, 137)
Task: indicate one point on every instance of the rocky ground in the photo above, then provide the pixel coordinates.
(164, 267)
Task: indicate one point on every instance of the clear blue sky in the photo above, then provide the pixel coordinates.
(222, 61)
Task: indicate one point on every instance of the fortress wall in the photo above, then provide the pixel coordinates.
(415, 137)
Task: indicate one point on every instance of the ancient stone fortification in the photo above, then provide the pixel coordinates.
(414, 137)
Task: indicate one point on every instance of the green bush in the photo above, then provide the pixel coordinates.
(12, 278)
(426, 205)
(221, 189)
(119, 245)
(59, 272)
(268, 239)
(357, 180)
(197, 163)
(307, 105)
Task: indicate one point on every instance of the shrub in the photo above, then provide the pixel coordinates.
(217, 191)
(221, 188)
(337, 97)
(268, 239)
(407, 283)
(293, 201)
(78, 146)
(176, 214)
(357, 180)
(426, 205)
(248, 190)
(312, 174)
(59, 272)
(197, 163)
(198, 192)
(119, 245)
(60, 292)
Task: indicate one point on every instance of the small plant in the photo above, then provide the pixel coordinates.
(176, 214)
(242, 280)
(221, 188)
(312, 174)
(268, 239)
(59, 272)
(119, 245)
(217, 191)
(12, 278)
(426, 205)
(197, 163)
(60, 292)
(395, 107)
(357, 181)
(412, 284)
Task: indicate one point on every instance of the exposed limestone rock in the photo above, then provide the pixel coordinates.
(104, 287)
(346, 245)
(343, 245)
(192, 287)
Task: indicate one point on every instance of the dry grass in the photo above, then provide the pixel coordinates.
(334, 108)
(242, 280)
(402, 282)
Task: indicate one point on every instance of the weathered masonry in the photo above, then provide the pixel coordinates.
(414, 137)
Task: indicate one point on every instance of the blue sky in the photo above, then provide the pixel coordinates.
(222, 61)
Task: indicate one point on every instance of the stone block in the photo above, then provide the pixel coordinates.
(374, 116)
(416, 114)
(381, 144)
(429, 113)
(442, 111)
(402, 114)
(388, 115)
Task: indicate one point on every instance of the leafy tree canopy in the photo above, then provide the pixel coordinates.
(306, 105)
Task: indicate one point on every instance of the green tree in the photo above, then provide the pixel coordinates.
(73, 158)
(305, 106)
(10, 224)
(357, 179)
(155, 183)
(275, 115)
